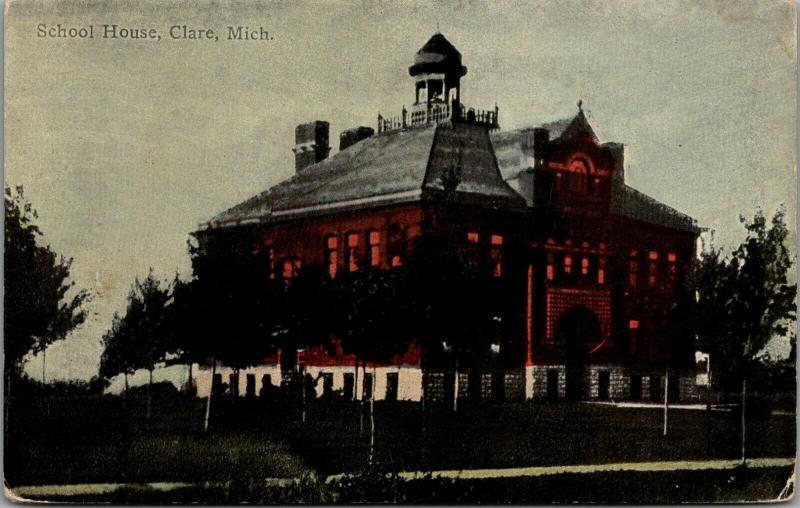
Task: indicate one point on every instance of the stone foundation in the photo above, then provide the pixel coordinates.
(601, 382)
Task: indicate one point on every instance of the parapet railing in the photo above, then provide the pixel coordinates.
(437, 113)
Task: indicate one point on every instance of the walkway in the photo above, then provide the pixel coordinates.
(45, 491)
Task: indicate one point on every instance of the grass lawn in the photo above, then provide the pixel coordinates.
(88, 440)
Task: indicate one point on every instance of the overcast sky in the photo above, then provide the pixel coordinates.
(124, 146)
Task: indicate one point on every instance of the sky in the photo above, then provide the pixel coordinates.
(124, 146)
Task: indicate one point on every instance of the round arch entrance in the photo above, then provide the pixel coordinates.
(578, 331)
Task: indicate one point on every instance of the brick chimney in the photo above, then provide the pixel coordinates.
(352, 136)
(310, 143)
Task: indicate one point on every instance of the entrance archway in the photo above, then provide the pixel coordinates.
(577, 331)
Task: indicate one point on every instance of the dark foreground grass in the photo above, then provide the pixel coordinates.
(621, 487)
(105, 439)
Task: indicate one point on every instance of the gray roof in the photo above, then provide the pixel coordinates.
(629, 202)
(392, 167)
(405, 165)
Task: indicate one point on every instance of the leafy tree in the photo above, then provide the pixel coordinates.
(227, 312)
(40, 303)
(141, 338)
(455, 305)
(744, 300)
(118, 355)
(371, 315)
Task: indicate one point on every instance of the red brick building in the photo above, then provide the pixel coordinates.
(587, 264)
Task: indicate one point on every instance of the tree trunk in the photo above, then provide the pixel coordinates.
(361, 405)
(744, 426)
(355, 387)
(150, 394)
(125, 393)
(455, 387)
(666, 400)
(44, 363)
(303, 397)
(208, 400)
(191, 380)
(372, 420)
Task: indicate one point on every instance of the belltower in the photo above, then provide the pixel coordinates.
(437, 73)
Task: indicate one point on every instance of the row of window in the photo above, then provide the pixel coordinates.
(365, 249)
(495, 252)
(589, 265)
(653, 273)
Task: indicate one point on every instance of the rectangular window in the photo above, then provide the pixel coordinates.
(550, 270)
(672, 269)
(327, 384)
(374, 248)
(391, 386)
(585, 266)
(473, 237)
(271, 257)
(396, 246)
(352, 252)
(652, 268)
(567, 264)
(349, 384)
(367, 392)
(633, 324)
(601, 271)
(633, 269)
(332, 255)
(496, 255)
(250, 386)
(290, 269)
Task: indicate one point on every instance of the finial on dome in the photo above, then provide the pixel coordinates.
(580, 105)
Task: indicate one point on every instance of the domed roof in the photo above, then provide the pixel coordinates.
(437, 55)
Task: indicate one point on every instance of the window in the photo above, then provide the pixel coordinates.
(396, 245)
(672, 269)
(633, 324)
(327, 384)
(601, 271)
(352, 252)
(652, 268)
(391, 386)
(271, 258)
(585, 266)
(374, 248)
(250, 386)
(567, 263)
(633, 269)
(290, 268)
(367, 387)
(550, 269)
(473, 237)
(496, 255)
(349, 386)
(332, 255)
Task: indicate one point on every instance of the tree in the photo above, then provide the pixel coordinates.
(370, 315)
(117, 356)
(229, 312)
(454, 305)
(141, 338)
(41, 305)
(744, 300)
